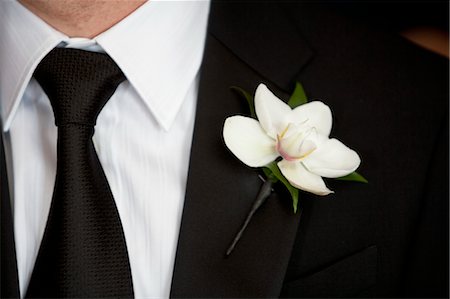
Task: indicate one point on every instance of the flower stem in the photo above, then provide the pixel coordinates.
(263, 194)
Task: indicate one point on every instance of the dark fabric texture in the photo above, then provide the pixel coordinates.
(389, 99)
(334, 280)
(83, 252)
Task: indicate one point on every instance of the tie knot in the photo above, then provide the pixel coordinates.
(78, 84)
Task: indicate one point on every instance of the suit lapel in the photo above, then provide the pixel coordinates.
(220, 188)
(9, 279)
(243, 48)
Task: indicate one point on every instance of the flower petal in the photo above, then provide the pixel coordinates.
(302, 179)
(313, 114)
(295, 146)
(332, 159)
(272, 112)
(248, 141)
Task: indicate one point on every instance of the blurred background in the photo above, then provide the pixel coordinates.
(425, 23)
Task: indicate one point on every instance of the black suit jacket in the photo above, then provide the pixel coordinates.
(388, 238)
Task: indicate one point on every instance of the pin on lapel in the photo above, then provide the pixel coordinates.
(290, 143)
(263, 194)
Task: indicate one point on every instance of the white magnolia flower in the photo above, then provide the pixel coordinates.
(300, 136)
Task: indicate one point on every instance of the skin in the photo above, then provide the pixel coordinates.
(89, 18)
(430, 38)
(82, 18)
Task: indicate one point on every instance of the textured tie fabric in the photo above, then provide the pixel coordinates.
(83, 251)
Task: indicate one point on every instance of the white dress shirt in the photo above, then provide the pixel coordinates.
(142, 137)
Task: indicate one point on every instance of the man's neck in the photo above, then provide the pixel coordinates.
(86, 18)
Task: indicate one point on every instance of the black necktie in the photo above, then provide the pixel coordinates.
(83, 252)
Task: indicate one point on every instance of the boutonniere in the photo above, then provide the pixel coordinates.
(291, 144)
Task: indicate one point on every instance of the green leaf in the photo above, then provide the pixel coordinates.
(269, 175)
(298, 97)
(273, 167)
(354, 176)
(248, 97)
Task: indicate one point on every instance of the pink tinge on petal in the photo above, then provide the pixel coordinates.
(306, 147)
(283, 153)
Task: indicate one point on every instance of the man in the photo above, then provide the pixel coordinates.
(389, 101)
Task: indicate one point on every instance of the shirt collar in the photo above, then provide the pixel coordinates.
(22, 50)
(159, 48)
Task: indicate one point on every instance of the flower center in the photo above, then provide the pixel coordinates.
(295, 142)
